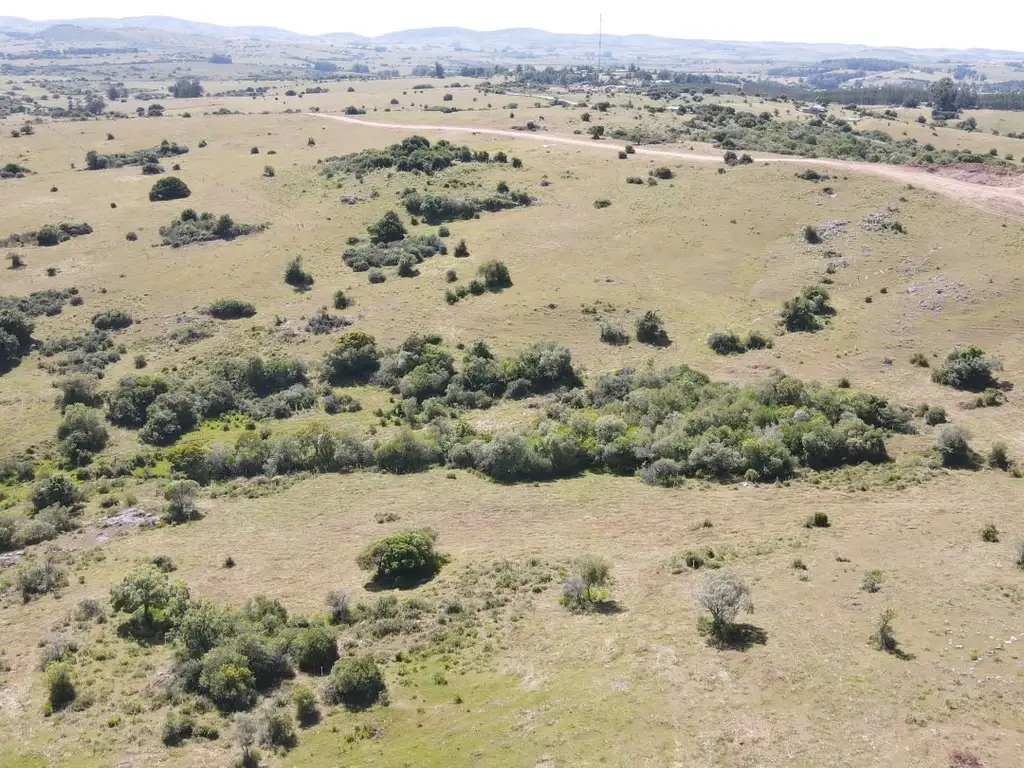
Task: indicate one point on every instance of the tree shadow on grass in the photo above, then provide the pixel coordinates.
(737, 637)
(609, 607)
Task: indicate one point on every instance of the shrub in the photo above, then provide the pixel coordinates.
(882, 638)
(56, 490)
(191, 227)
(81, 433)
(951, 442)
(967, 368)
(33, 579)
(1019, 557)
(585, 587)
(340, 606)
(723, 594)
(726, 343)
(602, 202)
(178, 727)
(817, 520)
(226, 680)
(934, 415)
(306, 710)
(495, 275)
(443, 231)
(277, 731)
(664, 173)
(998, 457)
(152, 169)
(801, 313)
(231, 309)
(144, 589)
(388, 230)
(407, 266)
(341, 300)
(757, 340)
(111, 320)
(169, 188)
(269, 172)
(354, 358)
(919, 359)
(614, 334)
(181, 501)
(990, 534)
(811, 234)
(357, 683)
(649, 329)
(407, 557)
(254, 151)
(296, 276)
(872, 581)
(60, 686)
(375, 277)
(405, 452)
(313, 650)
(78, 389)
(131, 237)
(461, 250)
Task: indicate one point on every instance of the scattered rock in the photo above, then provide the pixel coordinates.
(133, 517)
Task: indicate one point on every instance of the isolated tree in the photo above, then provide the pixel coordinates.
(723, 594)
(438, 70)
(247, 730)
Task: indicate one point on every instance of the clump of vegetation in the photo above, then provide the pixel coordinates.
(47, 236)
(363, 256)
(614, 334)
(726, 343)
(723, 594)
(37, 578)
(919, 359)
(883, 639)
(435, 209)
(872, 581)
(968, 368)
(990, 534)
(803, 313)
(111, 320)
(817, 520)
(586, 587)
(495, 275)
(649, 329)
(388, 230)
(169, 188)
(355, 682)
(14, 171)
(405, 558)
(413, 154)
(602, 202)
(230, 309)
(663, 172)
(191, 227)
(951, 441)
(94, 161)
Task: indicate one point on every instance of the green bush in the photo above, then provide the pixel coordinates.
(614, 334)
(60, 685)
(111, 320)
(178, 728)
(817, 520)
(998, 457)
(296, 276)
(341, 300)
(353, 358)
(405, 558)
(757, 340)
(802, 313)
(405, 452)
(649, 329)
(81, 434)
(56, 490)
(357, 683)
(495, 275)
(231, 309)
(375, 277)
(461, 250)
(951, 442)
(313, 650)
(662, 172)
(602, 202)
(306, 710)
(277, 731)
(227, 681)
(919, 359)
(990, 534)
(726, 343)
(169, 188)
(967, 368)
(388, 230)
(33, 579)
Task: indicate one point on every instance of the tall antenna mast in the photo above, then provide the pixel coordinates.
(600, 42)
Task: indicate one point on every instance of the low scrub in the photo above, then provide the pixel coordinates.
(169, 188)
(191, 227)
(94, 161)
(968, 368)
(436, 209)
(230, 309)
(47, 235)
(804, 313)
(405, 558)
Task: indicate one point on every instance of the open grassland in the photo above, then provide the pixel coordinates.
(713, 248)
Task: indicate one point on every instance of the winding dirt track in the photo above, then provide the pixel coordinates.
(1006, 200)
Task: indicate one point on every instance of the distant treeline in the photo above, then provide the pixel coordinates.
(51, 53)
(1012, 98)
(830, 65)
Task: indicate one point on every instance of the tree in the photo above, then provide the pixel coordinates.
(723, 594)
(54, 490)
(81, 434)
(353, 358)
(590, 572)
(169, 188)
(355, 682)
(144, 588)
(596, 131)
(649, 329)
(404, 558)
(438, 70)
(943, 94)
(245, 734)
(181, 500)
(388, 230)
(187, 88)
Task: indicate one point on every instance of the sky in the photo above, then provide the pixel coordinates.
(995, 23)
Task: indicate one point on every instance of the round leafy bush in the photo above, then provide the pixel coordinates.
(967, 368)
(169, 188)
(313, 650)
(407, 557)
(357, 683)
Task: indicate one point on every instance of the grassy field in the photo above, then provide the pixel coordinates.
(711, 249)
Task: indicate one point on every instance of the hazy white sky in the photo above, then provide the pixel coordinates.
(988, 24)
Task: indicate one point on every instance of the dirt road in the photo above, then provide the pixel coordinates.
(1006, 200)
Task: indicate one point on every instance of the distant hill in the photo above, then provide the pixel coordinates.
(618, 46)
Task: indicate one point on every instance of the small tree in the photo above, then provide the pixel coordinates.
(306, 710)
(461, 250)
(495, 275)
(649, 329)
(60, 685)
(388, 230)
(723, 594)
(169, 188)
(247, 730)
(967, 368)
(952, 445)
(356, 682)
(882, 639)
(404, 558)
(143, 589)
(585, 586)
(340, 606)
(181, 501)
(296, 276)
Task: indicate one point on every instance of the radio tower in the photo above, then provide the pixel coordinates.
(600, 41)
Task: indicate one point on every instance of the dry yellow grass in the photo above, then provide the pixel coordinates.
(710, 252)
